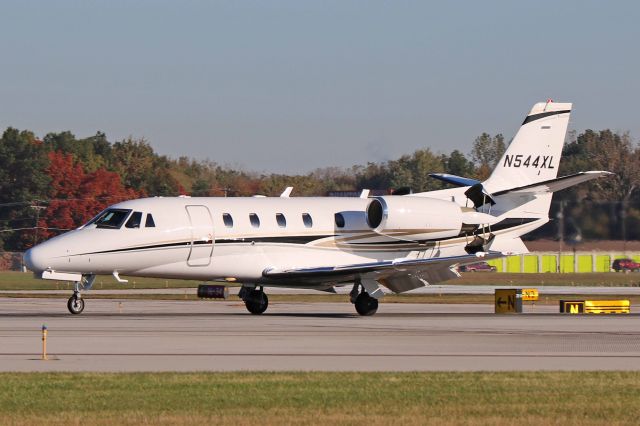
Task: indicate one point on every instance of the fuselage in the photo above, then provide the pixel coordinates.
(232, 239)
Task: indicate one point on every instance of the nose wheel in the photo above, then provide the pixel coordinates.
(75, 304)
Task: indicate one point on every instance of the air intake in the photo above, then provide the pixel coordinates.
(375, 211)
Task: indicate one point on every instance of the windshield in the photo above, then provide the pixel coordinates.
(111, 218)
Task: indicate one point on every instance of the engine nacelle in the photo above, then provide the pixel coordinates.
(414, 218)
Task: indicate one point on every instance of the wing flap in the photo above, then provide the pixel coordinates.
(398, 275)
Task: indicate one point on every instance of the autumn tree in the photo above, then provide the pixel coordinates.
(76, 196)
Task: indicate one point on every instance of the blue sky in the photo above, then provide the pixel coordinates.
(288, 86)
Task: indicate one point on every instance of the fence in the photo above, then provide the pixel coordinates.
(560, 262)
(10, 261)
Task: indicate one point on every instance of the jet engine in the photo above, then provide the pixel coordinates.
(411, 218)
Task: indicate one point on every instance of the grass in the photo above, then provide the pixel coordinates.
(320, 398)
(10, 280)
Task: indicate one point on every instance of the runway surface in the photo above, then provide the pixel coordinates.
(139, 335)
(431, 289)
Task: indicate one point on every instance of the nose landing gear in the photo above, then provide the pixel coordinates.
(75, 304)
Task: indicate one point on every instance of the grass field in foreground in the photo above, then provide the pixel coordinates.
(10, 280)
(321, 398)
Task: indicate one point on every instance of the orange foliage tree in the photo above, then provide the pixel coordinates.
(77, 196)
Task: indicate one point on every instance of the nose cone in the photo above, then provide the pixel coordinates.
(34, 259)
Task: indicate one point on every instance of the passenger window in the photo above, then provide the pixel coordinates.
(228, 220)
(149, 222)
(307, 220)
(282, 221)
(339, 220)
(255, 220)
(134, 220)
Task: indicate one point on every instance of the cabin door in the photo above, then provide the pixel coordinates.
(201, 236)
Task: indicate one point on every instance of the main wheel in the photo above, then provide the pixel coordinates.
(75, 305)
(257, 302)
(366, 305)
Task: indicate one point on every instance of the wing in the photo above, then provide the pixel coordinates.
(398, 275)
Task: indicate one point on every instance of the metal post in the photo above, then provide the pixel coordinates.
(35, 235)
(44, 342)
(560, 217)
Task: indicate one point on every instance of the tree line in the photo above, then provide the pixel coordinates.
(55, 183)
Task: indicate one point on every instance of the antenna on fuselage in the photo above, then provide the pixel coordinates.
(286, 192)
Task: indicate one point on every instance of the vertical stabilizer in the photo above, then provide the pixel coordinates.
(534, 154)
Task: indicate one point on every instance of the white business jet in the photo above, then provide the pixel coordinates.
(401, 242)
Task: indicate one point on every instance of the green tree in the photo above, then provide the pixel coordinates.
(23, 181)
(413, 171)
(457, 164)
(605, 150)
(486, 152)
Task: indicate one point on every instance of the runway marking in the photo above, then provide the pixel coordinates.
(467, 355)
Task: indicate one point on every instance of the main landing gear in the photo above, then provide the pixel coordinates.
(254, 299)
(364, 303)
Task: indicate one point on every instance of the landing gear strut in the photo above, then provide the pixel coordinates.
(365, 304)
(254, 299)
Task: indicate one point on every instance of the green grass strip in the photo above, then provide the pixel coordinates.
(321, 398)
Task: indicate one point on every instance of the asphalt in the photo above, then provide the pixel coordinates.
(149, 335)
(431, 289)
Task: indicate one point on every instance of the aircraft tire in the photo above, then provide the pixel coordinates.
(257, 302)
(366, 305)
(75, 305)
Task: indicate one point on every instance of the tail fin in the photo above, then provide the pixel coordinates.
(534, 153)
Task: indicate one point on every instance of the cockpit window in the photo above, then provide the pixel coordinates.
(94, 219)
(149, 222)
(112, 218)
(134, 220)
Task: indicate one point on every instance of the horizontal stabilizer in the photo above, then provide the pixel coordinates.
(554, 185)
(509, 246)
(454, 180)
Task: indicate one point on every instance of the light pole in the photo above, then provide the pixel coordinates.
(37, 209)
